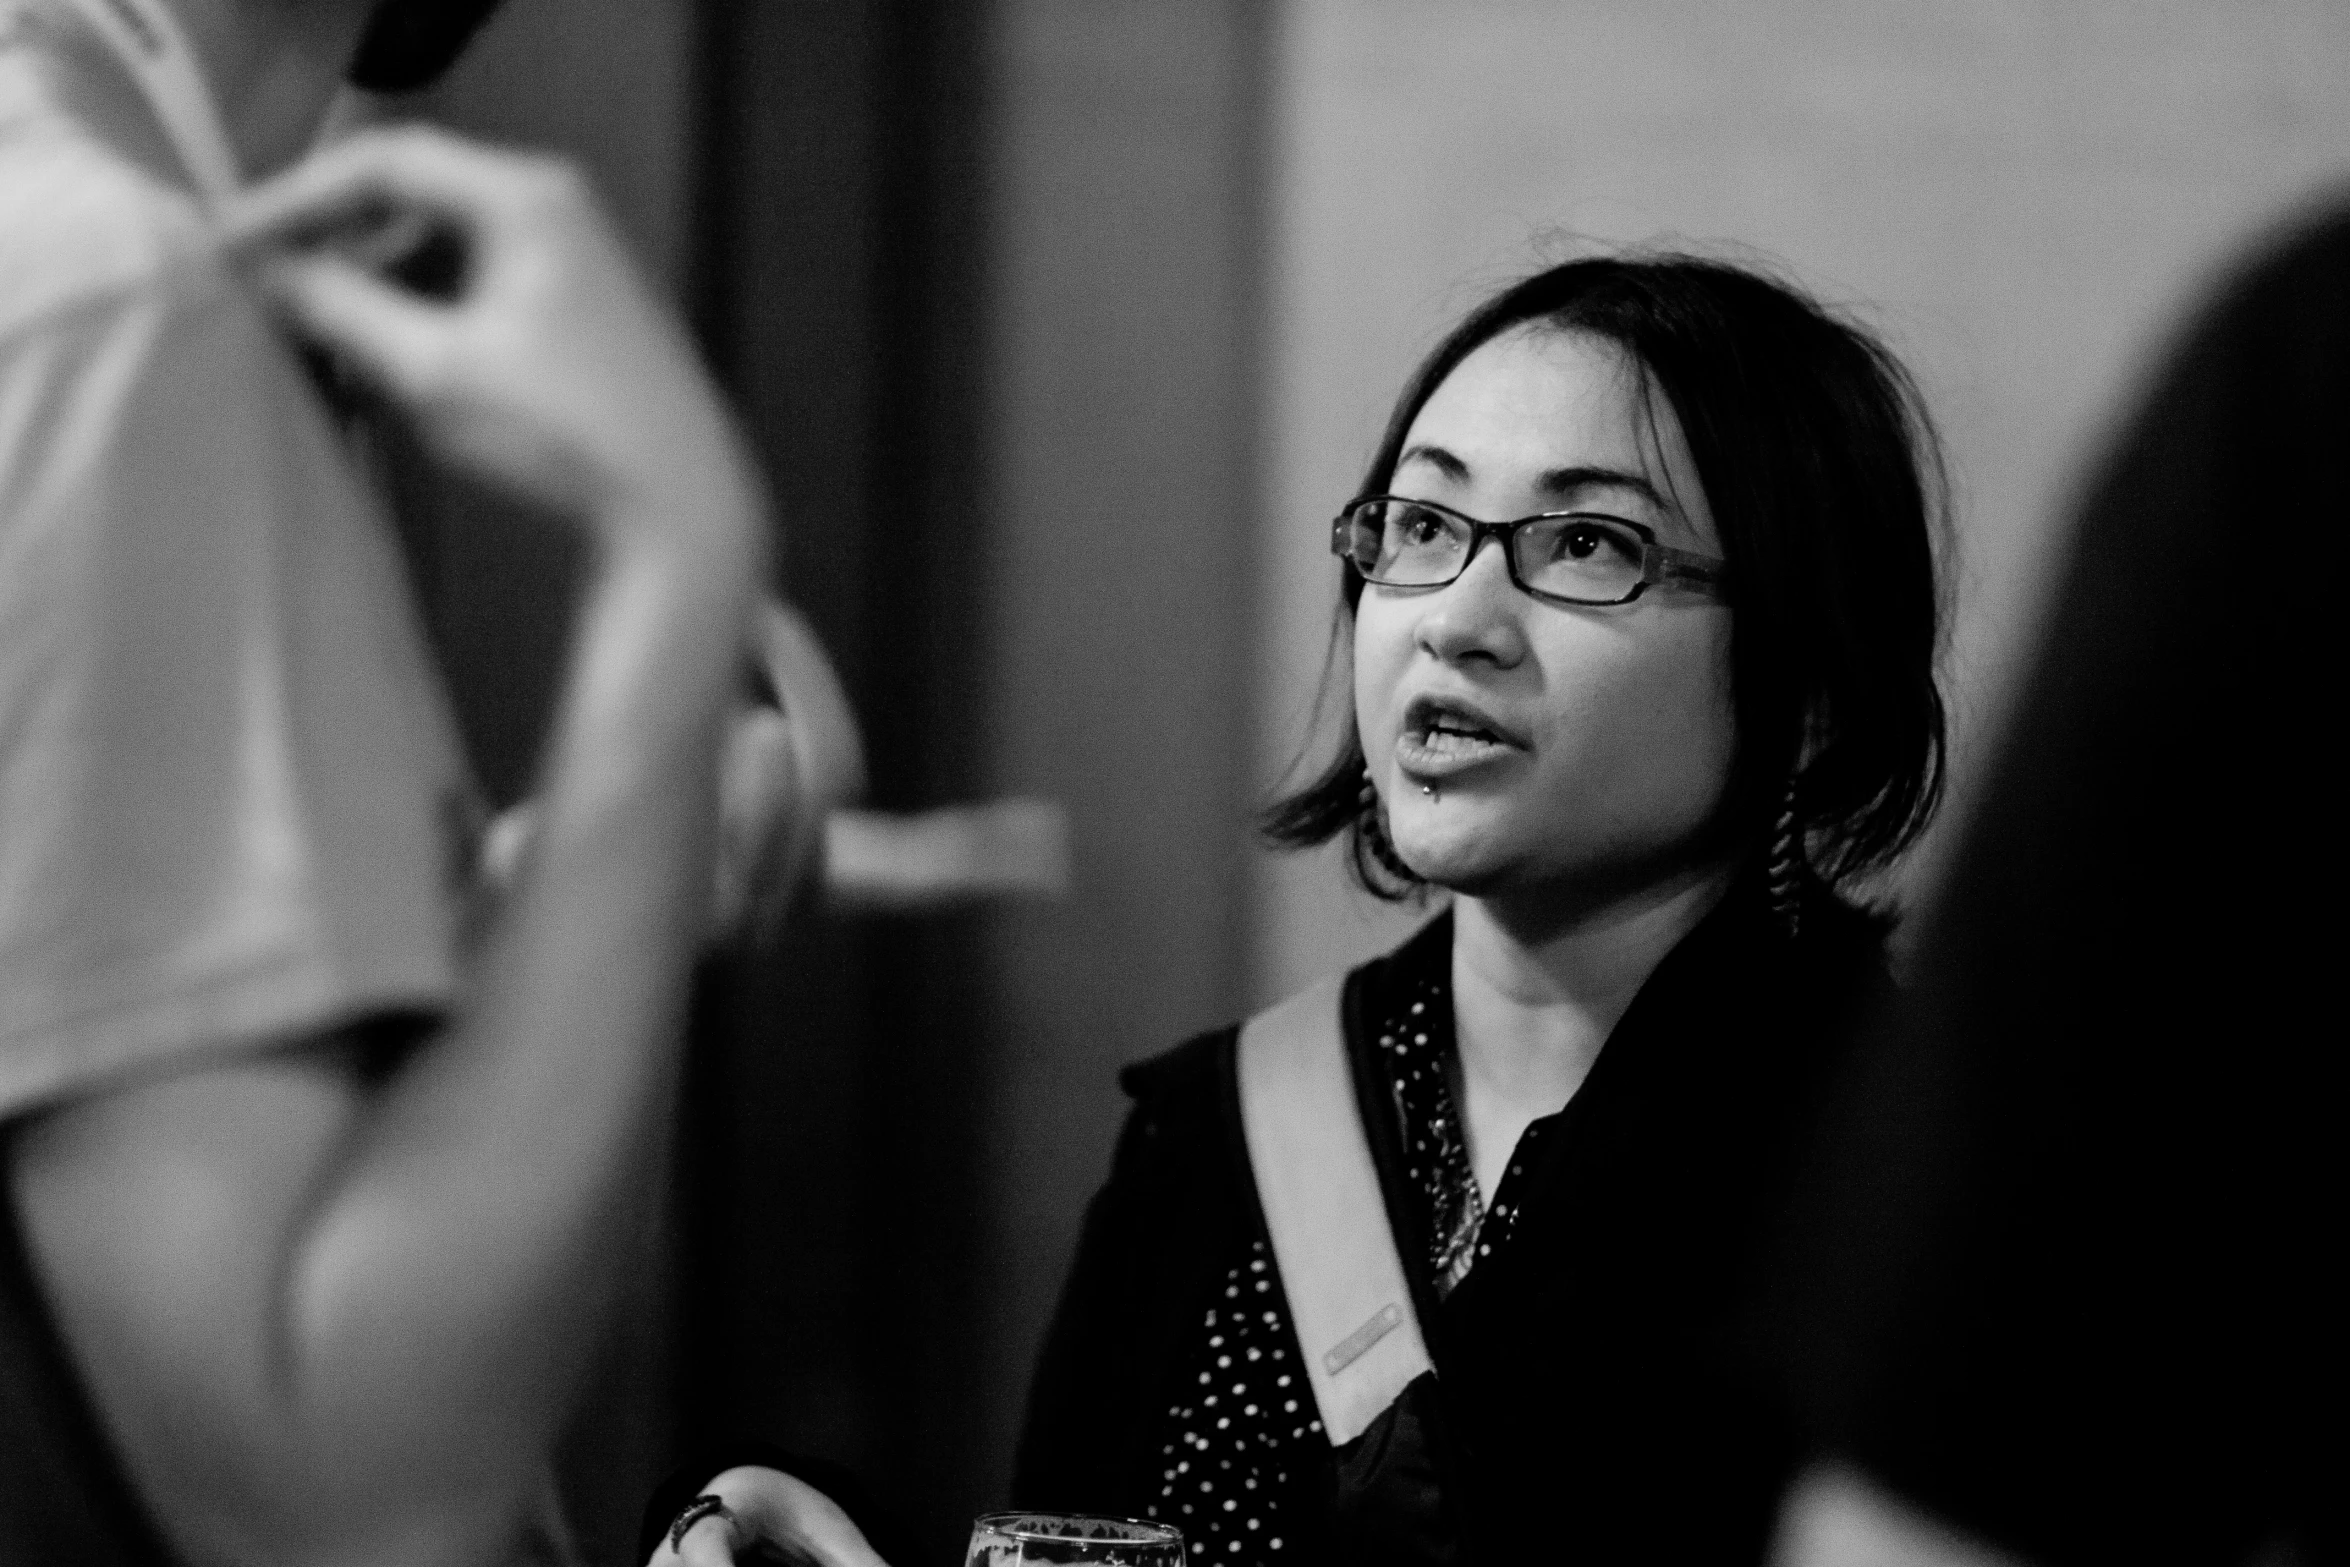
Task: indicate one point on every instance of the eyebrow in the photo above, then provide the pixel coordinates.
(1557, 481)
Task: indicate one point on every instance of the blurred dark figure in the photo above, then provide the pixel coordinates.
(2059, 1276)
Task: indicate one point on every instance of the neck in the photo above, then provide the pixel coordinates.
(1536, 992)
(1542, 951)
(274, 67)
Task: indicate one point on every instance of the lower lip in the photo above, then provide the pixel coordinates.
(1448, 757)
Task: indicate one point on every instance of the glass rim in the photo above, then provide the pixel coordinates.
(1150, 1531)
(1659, 564)
(1646, 532)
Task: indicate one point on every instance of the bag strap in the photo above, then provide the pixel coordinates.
(1319, 1190)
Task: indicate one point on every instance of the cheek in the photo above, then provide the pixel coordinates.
(1645, 733)
(1382, 652)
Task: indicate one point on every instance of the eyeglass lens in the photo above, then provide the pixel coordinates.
(1400, 544)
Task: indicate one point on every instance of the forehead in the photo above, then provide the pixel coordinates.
(1537, 400)
(1538, 389)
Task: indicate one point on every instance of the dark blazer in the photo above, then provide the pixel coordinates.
(1586, 1402)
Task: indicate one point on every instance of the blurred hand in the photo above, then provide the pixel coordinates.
(765, 838)
(539, 359)
(782, 775)
(775, 1516)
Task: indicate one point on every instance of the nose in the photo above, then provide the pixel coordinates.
(1476, 615)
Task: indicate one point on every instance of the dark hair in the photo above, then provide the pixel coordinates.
(409, 44)
(1827, 485)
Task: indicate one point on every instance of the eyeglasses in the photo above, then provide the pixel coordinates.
(1560, 557)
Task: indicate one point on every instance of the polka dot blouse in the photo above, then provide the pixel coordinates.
(1242, 1430)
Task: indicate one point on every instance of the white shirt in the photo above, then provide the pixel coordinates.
(233, 807)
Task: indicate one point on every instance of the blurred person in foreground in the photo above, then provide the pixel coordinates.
(1640, 598)
(2059, 1287)
(322, 1164)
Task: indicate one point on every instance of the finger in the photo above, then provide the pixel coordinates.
(380, 246)
(761, 777)
(386, 333)
(709, 1543)
(359, 176)
(758, 811)
(832, 752)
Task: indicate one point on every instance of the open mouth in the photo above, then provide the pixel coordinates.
(1441, 737)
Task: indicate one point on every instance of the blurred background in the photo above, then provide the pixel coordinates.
(1063, 325)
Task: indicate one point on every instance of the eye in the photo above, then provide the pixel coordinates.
(1417, 525)
(1595, 541)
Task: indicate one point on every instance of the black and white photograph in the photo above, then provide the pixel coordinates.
(1172, 783)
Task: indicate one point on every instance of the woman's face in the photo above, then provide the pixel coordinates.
(1526, 747)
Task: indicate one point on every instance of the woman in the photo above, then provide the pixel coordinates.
(1648, 735)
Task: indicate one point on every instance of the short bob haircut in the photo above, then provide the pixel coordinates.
(1826, 481)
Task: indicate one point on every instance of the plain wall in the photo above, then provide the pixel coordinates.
(608, 82)
(1122, 261)
(2021, 194)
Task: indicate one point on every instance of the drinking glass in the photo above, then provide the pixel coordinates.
(1072, 1540)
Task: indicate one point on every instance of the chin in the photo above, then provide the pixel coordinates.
(1455, 858)
(1478, 859)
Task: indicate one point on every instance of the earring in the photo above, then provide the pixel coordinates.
(1373, 827)
(1787, 867)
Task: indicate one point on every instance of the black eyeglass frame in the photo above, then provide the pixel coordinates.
(1706, 575)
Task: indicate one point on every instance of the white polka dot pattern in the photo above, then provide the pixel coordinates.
(1241, 1429)
(1417, 1050)
(1244, 1427)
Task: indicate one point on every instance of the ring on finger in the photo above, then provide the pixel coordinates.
(701, 1507)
